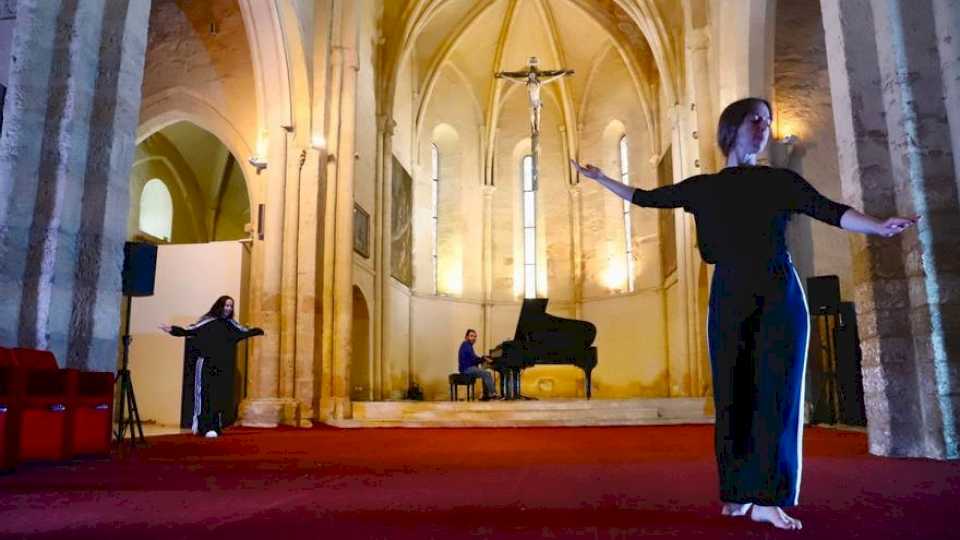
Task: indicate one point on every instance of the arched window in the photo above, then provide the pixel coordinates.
(627, 229)
(156, 210)
(529, 229)
(435, 205)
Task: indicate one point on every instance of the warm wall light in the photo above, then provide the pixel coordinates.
(452, 283)
(318, 142)
(258, 163)
(615, 277)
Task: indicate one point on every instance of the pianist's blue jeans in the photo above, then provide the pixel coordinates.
(485, 375)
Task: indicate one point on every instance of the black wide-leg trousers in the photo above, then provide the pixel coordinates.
(758, 331)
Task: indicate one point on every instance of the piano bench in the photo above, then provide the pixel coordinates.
(462, 379)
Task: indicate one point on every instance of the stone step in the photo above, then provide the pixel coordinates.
(559, 412)
(491, 423)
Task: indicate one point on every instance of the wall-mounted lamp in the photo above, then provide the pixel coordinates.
(782, 150)
(258, 163)
(318, 142)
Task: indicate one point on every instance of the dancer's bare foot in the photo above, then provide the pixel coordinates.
(736, 509)
(775, 516)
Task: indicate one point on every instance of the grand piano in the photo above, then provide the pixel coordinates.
(542, 338)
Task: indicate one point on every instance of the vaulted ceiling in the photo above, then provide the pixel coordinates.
(477, 38)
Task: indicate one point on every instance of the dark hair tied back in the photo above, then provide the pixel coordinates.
(732, 117)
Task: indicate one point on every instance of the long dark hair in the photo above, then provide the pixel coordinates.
(216, 310)
(732, 117)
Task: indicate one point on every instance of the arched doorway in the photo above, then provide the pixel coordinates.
(361, 387)
(189, 196)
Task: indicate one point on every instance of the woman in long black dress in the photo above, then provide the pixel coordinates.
(758, 325)
(208, 401)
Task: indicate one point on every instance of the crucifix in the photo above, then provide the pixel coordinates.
(533, 78)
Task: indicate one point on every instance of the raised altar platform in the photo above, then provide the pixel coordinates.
(519, 413)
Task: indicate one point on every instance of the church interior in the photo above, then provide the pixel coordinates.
(369, 179)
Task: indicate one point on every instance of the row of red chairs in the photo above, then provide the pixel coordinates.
(48, 413)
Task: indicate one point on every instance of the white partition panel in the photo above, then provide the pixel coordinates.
(189, 279)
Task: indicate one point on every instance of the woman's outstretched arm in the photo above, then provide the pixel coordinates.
(855, 221)
(622, 190)
(682, 194)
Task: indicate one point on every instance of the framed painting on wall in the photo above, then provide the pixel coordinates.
(401, 230)
(361, 231)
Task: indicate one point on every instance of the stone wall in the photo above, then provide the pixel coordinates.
(802, 108)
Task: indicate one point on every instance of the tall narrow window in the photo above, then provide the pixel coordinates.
(627, 229)
(435, 205)
(529, 230)
(156, 210)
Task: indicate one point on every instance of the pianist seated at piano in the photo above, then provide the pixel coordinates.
(471, 364)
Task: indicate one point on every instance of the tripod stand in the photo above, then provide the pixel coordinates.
(127, 413)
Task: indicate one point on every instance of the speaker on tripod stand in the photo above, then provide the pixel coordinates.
(836, 384)
(139, 272)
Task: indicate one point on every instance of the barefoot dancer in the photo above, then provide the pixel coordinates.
(758, 318)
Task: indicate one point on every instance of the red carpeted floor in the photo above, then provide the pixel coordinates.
(584, 483)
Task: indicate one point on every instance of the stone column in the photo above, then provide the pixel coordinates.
(263, 406)
(383, 231)
(699, 87)
(325, 401)
(487, 261)
(308, 278)
(289, 281)
(576, 247)
(743, 34)
(947, 20)
(65, 155)
(343, 248)
(894, 159)
(923, 168)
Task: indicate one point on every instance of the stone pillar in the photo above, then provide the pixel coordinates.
(65, 155)
(947, 20)
(487, 261)
(699, 87)
(895, 158)
(743, 34)
(264, 406)
(576, 247)
(308, 268)
(343, 248)
(325, 401)
(291, 266)
(383, 232)
(923, 167)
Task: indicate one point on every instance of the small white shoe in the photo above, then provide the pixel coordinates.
(211, 434)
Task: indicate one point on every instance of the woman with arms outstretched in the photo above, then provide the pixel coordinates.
(209, 402)
(758, 325)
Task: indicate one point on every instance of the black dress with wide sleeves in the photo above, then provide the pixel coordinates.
(209, 401)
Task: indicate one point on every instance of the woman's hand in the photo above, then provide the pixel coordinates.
(589, 170)
(852, 220)
(895, 225)
(166, 328)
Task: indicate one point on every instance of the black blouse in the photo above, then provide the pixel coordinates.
(742, 212)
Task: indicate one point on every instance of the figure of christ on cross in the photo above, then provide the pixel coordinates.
(534, 79)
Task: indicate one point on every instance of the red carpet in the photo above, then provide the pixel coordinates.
(585, 483)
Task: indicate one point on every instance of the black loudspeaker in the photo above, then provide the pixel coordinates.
(139, 268)
(849, 374)
(823, 294)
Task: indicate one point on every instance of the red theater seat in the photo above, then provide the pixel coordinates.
(43, 396)
(90, 413)
(8, 412)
